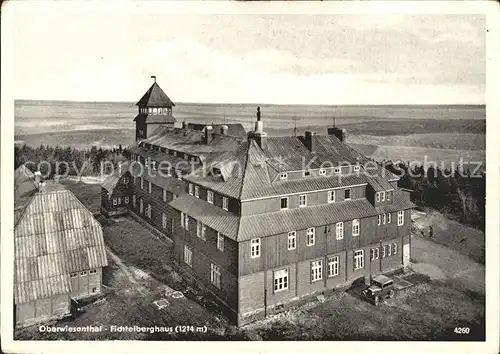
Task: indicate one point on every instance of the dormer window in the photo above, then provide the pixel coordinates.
(377, 196)
(322, 172)
(307, 173)
(283, 175)
(382, 196)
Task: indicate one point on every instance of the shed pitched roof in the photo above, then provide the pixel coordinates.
(55, 236)
(155, 97)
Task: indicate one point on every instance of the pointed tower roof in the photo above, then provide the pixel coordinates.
(155, 97)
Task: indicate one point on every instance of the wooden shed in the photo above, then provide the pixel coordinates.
(59, 255)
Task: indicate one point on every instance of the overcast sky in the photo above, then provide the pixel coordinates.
(295, 59)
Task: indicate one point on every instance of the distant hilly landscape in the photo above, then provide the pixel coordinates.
(443, 133)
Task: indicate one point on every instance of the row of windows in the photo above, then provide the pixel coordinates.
(118, 201)
(82, 274)
(255, 246)
(321, 172)
(201, 230)
(157, 110)
(215, 273)
(382, 196)
(281, 279)
(387, 251)
(195, 190)
(386, 218)
(152, 163)
(303, 199)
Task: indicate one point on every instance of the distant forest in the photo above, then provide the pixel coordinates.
(80, 162)
(458, 194)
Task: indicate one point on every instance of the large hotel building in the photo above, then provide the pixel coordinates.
(260, 221)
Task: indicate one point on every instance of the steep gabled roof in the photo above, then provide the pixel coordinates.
(55, 236)
(111, 181)
(155, 97)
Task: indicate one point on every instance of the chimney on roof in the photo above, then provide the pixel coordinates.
(208, 134)
(309, 141)
(341, 134)
(223, 129)
(259, 135)
(37, 179)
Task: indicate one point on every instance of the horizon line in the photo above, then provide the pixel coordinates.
(268, 104)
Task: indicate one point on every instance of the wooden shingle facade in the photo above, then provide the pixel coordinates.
(264, 222)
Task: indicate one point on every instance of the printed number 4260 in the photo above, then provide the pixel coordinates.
(462, 330)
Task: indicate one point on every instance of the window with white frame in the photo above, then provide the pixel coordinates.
(164, 195)
(395, 248)
(359, 261)
(331, 196)
(201, 230)
(316, 270)
(302, 200)
(127, 199)
(149, 187)
(215, 275)
(141, 206)
(191, 188)
(333, 266)
(225, 203)
(255, 248)
(283, 175)
(119, 200)
(379, 219)
(339, 230)
(284, 203)
(280, 280)
(388, 218)
(383, 219)
(388, 196)
(210, 197)
(401, 217)
(337, 170)
(133, 200)
(115, 201)
(148, 211)
(347, 194)
(322, 172)
(150, 110)
(382, 196)
(220, 241)
(389, 250)
(196, 191)
(356, 168)
(292, 240)
(163, 220)
(311, 236)
(374, 253)
(355, 227)
(377, 196)
(383, 251)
